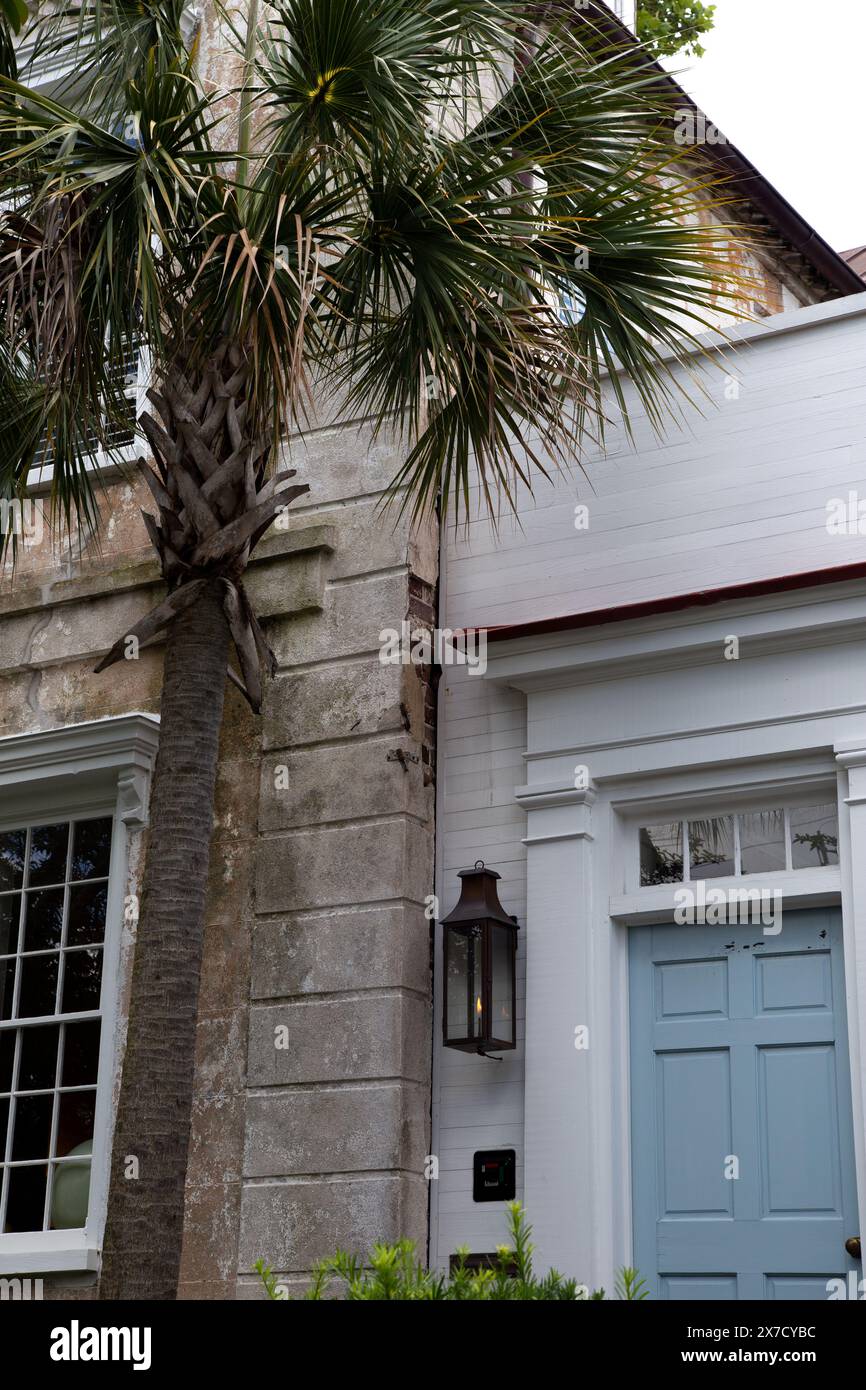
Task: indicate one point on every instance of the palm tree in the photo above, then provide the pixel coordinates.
(408, 195)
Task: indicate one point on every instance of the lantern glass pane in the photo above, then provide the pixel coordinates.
(456, 985)
(502, 994)
(476, 961)
(463, 1000)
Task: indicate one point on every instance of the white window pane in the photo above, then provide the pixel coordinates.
(661, 853)
(711, 847)
(814, 836)
(762, 842)
(55, 875)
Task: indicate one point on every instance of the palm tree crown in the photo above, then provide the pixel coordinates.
(415, 208)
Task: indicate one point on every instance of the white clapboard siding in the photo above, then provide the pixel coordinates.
(739, 492)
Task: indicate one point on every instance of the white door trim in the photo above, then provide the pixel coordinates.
(579, 848)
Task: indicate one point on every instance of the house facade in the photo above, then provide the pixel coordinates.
(327, 1110)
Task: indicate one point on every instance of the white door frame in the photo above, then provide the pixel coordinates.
(623, 720)
(581, 844)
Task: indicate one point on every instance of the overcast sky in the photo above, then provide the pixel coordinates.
(785, 80)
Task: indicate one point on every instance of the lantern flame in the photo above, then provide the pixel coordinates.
(478, 1006)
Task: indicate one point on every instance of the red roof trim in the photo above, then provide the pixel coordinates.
(701, 598)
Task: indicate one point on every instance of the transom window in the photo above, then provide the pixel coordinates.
(739, 844)
(53, 901)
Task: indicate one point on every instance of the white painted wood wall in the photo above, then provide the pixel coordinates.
(738, 493)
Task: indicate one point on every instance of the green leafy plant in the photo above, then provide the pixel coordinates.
(674, 26)
(630, 1288)
(395, 1273)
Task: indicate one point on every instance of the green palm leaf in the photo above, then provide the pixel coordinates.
(409, 221)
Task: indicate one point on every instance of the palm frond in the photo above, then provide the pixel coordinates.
(424, 274)
(101, 46)
(13, 16)
(377, 73)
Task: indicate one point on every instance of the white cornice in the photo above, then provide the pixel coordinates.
(548, 795)
(557, 812)
(786, 621)
(122, 746)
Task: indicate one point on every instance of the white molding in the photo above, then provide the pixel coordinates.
(556, 812)
(694, 636)
(740, 786)
(548, 795)
(797, 320)
(123, 746)
(736, 335)
(561, 1140)
(47, 1252)
(821, 887)
(851, 759)
(819, 741)
(103, 766)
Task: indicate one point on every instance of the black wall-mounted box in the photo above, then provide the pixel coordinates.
(493, 1176)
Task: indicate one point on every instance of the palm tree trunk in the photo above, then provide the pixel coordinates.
(144, 1232)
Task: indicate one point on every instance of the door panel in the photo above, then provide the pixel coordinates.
(693, 1090)
(742, 1142)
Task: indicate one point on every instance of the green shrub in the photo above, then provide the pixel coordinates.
(395, 1272)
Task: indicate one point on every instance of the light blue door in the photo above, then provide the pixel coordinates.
(739, 1065)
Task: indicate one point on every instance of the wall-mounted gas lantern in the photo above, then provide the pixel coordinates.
(480, 955)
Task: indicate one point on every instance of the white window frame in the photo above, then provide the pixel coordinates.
(684, 813)
(99, 768)
(647, 903)
(44, 71)
(625, 10)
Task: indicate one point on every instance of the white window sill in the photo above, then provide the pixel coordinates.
(40, 479)
(819, 887)
(47, 1252)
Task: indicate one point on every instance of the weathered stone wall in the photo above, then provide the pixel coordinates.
(338, 1119)
(322, 856)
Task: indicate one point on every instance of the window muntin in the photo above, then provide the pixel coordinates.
(53, 902)
(738, 845)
